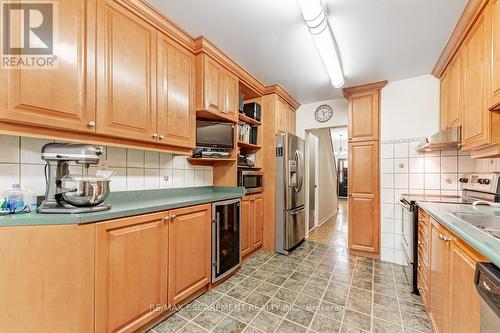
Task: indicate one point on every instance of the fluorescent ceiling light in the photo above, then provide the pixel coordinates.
(317, 22)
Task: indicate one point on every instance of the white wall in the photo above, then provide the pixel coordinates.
(306, 120)
(410, 108)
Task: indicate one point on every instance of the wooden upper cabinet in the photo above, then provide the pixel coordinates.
(281, 115)
(495, 79)
(212, 85)
(444, 101)
(456, 88)
(61, 98)
(364, 116)
(126, 74)
(189, 251)
(476, 120)
(439, 277)
(230, 96)
(291, 118)
(364, 197)
(217, 89)
(176, 89)
(131, 268)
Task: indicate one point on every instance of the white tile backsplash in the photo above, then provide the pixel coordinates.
(20, 162)
(404, 170)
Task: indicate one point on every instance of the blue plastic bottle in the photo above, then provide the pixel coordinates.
(15, 199)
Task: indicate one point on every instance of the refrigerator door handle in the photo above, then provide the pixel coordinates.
(300, 176)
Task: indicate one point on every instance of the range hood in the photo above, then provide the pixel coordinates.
(446, 139)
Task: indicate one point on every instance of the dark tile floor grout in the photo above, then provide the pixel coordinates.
(318, 288)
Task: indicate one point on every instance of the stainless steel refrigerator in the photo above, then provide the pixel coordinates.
(290, 192)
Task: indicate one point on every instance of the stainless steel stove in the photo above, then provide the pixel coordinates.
(474, 187)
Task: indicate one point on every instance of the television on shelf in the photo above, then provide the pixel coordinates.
(212, 134)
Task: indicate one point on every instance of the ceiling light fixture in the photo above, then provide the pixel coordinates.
(317, 22)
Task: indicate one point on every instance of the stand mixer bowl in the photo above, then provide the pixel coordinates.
(84, 191)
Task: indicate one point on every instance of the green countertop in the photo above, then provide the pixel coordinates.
(124, 204)
(482, 241)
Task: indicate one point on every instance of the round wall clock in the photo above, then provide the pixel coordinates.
(323, 113)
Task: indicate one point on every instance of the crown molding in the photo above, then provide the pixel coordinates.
(281, 92)
(376, 86)
(471, 12)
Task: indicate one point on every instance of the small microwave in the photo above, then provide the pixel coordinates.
(251, 180)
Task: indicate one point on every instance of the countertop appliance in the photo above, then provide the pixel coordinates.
(290, 192)
(226, 226)
(251, 180)
(474, 187)
(69, 194)
(487, 279)
(252, 110)
(450, 138)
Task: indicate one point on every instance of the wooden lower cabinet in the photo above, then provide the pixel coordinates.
(47, 278)
(131, 271)
(454, 301)
(189, 251)
(439, 275)
(464, 299)
(252, 219)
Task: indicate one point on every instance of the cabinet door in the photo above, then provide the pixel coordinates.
(290, 119)
(456, 92)
(176, 84)
(246, 226)
(476, 116)
(439, 278)
(64, 97)
(189, 251)
(47, 278)
(126, 74)
(212, 85)
(444, 106)
(230, 95)
(364, 197)
(258, 220)
(364, 117)
(464, 301)
(130, 271)
(281, 118)
(495, 7)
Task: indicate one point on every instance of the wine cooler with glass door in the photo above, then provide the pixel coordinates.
(225, 238)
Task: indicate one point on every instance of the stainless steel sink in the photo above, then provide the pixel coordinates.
(488, 223)
(480, 220)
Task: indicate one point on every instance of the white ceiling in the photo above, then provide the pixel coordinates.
(378, 39)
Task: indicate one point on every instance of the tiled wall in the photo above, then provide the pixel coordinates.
(20, 162)
(404, 170)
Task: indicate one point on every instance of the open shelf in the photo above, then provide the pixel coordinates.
(249, 120)
(248, 146)
(210, 161)
(207, 115)
(248, 167)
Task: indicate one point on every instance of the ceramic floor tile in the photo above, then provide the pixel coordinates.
(318, 288)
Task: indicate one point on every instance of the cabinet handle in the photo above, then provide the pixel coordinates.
(161, 137)
(166, 219)
(155, 135)
(91, 124)
(173, 217)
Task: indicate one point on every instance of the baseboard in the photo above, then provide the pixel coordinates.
(328, 217)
